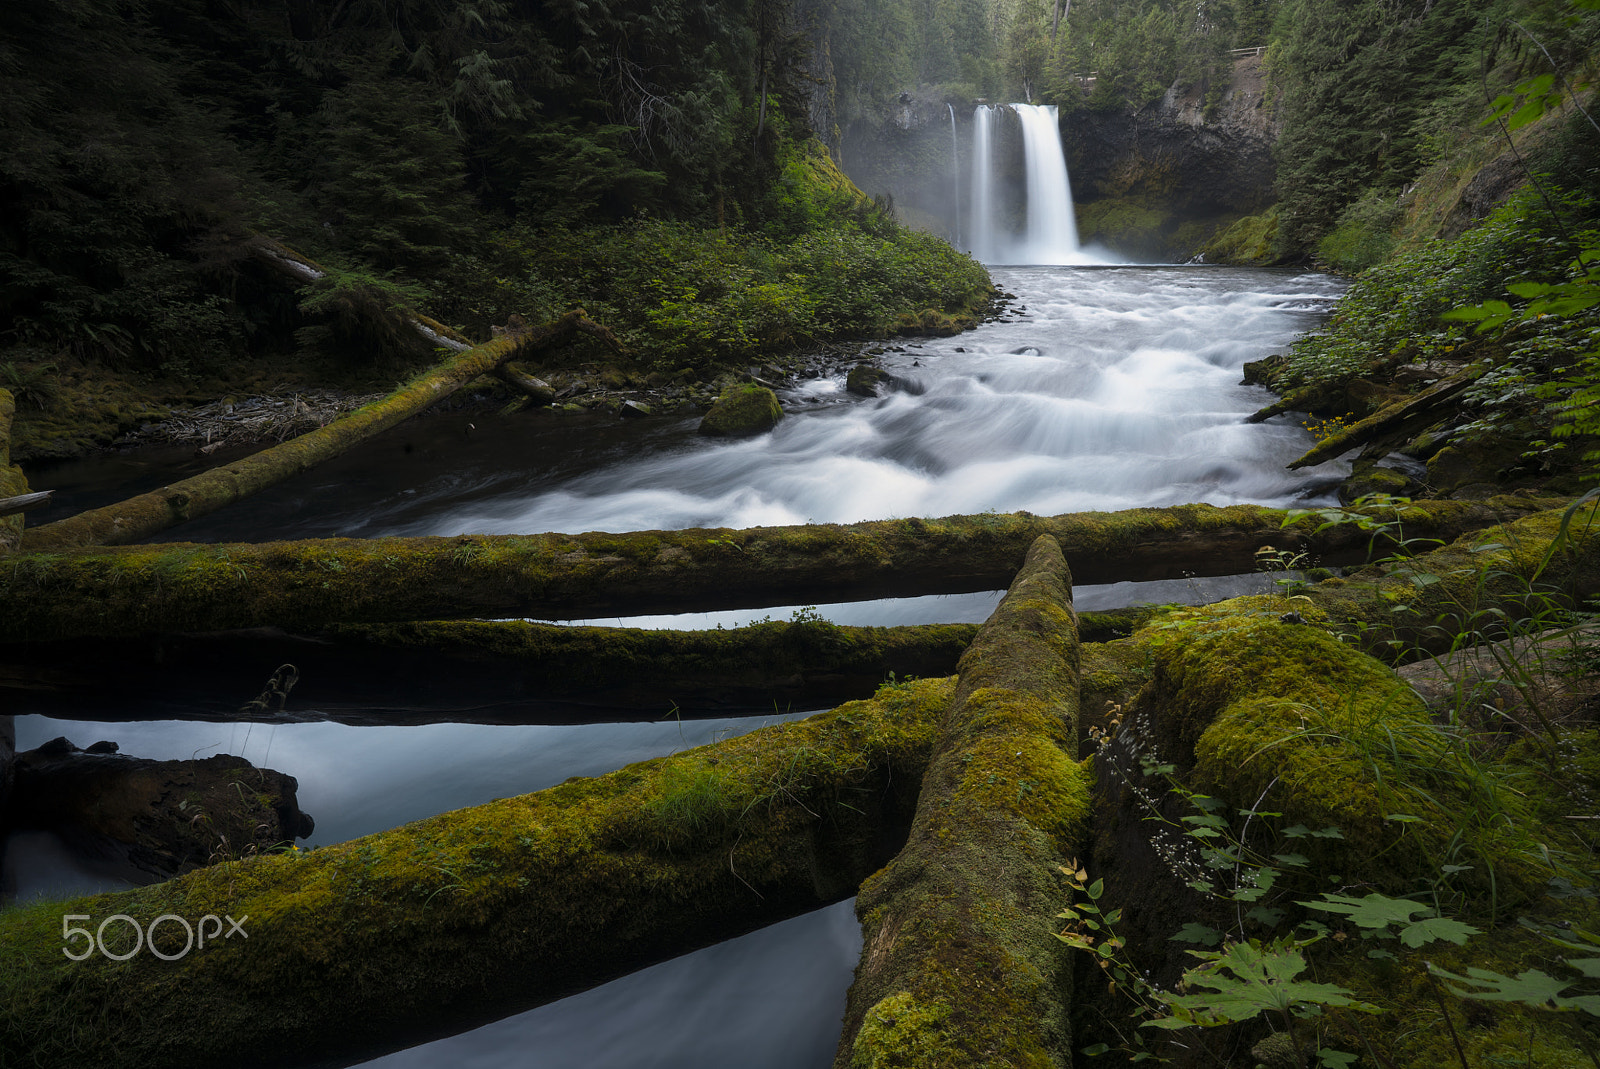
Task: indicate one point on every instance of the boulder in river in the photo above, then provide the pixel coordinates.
(168, 817)
(864, 380)
(742, 411)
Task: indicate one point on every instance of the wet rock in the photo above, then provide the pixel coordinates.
(103, 746)
(635, 410)
(1374, 479)
(865, 379)
(167, 817)
(742, 411)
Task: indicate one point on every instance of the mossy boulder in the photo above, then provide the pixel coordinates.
(742, 411)
(864, 380)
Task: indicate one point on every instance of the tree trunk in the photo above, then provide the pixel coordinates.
(368, 946)
(148, 514)
(959, 964)
(307, 585)
(506, 672)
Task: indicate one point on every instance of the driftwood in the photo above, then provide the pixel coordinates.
(959, 965)
(399, 937)
(140, 517)
(1382, 422)
(307, 585)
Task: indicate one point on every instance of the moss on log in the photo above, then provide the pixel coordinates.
(309, 584)
(485, 672)
(12, 481)
(448, 922)
(959, 965)
(1385, 420)
(148, 514)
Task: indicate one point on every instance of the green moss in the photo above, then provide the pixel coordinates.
(742, 411)
(1251, 240)
(954, 947)
(494, 907)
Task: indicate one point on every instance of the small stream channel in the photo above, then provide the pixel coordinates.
(1105, 388)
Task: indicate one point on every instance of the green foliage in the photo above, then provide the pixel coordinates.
(30, 385)
(1363, 236)
(1247, 979)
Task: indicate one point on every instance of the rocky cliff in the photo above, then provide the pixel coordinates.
(1151, 184)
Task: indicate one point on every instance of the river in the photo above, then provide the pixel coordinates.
(1104, 388)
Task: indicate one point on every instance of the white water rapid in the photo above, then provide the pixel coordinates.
(1115, 388)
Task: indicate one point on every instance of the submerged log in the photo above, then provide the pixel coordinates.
(444, 924)
(478, 671)
(307, 585)
(959, 965)
(148, 514)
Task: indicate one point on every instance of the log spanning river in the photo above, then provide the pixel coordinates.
(1103, 388)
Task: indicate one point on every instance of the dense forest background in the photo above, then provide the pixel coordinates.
(668, 165)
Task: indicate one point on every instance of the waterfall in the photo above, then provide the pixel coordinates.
(981, 237)
(955, 180)
(1049, 230)
(1052, 233)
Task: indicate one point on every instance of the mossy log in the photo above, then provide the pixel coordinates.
(140, 517)
(307, 585)
(1385, 420)
(959, 964)
(13, 485)
(534, 389)
(478, 671)
(449, 922)
(1543, 564)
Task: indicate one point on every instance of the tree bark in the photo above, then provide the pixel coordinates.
(368, 946)
(148, 514)
(307, 585)
(959, 964)
(11, 506)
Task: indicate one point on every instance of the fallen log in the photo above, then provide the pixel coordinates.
(13, 485)
(1385, 420)
(959, 966)
(291, 264)
(11, 506)
(379, 943)
(140, 517)
(534, 389)
(505, 672)
(306, 585)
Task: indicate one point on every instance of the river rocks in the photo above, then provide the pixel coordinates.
(742, 411)
(166, 816)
